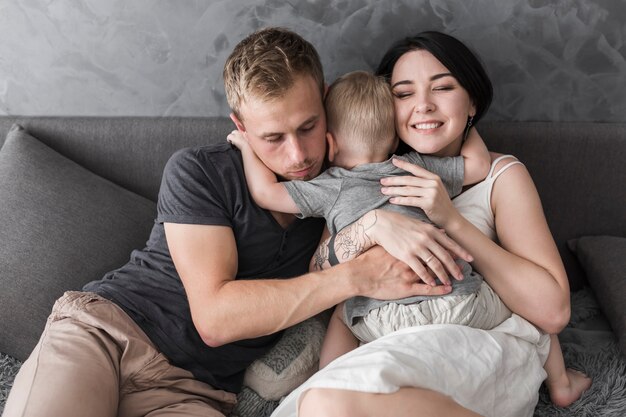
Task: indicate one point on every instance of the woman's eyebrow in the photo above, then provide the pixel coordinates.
(442, 75)
(432, 78)
(403, 82)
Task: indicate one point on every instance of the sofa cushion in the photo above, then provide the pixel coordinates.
(62, 226)
(604, 260)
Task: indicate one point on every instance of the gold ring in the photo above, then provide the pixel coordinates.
(430, 258)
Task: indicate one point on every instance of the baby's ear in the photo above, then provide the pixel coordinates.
(394, 146)
(332, 146)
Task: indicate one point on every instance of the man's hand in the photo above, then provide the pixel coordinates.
(384, 277)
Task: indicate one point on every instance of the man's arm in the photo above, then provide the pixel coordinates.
(225, 310)
(347, 244)
(262, 182)
(476, 158)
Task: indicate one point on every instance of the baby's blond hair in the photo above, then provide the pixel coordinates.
(360, 113)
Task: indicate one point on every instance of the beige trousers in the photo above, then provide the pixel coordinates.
(92, 360)
(482, 310)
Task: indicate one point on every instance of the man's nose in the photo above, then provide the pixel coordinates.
(295, 151)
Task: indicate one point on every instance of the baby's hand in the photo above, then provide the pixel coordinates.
(236, 138)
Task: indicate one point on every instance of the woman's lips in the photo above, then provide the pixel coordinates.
(425, 126)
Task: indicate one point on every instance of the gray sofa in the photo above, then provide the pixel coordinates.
(78, 194)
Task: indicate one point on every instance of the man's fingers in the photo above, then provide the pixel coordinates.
(425, 289)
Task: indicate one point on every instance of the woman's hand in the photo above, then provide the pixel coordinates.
(422, 189)
(422, 246)
(382, 276)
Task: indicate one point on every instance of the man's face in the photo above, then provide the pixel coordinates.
(288, 133)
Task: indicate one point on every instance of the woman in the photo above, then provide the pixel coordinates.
(435, 80)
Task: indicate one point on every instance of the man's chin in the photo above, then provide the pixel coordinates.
(303, 175)
(295, 177)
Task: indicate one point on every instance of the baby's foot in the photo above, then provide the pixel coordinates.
(564, 395)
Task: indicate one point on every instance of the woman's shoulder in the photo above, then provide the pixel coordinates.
(510, 177)
(502, 162)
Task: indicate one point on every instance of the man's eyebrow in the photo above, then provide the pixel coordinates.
(311, 119)
(433, 78)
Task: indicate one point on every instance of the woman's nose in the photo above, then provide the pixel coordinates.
(423, 104)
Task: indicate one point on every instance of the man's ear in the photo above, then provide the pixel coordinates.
(237, 122)
(332, 146)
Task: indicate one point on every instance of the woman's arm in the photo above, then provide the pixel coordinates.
(527, 271)
(422, 246)
(262, 182)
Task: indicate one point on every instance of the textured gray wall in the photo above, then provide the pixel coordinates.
(549, 60)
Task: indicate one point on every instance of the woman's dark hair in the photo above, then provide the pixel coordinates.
(462, 63)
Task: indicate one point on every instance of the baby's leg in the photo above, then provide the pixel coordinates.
(565, 385)
(338, 339)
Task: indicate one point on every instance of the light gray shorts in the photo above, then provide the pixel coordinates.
(481, 310)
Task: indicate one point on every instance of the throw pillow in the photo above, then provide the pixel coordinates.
(281, 370)
(604, 260)
(62, 226)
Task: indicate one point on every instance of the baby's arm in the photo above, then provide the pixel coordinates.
(476, 158)
(262, 182)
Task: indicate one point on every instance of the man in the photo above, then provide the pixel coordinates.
(173, 331)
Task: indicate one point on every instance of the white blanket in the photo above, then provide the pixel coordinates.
(494, 373)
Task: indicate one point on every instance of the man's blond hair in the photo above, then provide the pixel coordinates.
(266, 64)
(359, 111)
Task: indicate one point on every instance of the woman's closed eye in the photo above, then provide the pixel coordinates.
(402, 94)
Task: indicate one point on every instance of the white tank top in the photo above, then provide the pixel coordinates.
(475, 203)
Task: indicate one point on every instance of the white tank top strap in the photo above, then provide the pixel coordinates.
(493, 176)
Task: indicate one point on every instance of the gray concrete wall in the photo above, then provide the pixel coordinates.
(550, 60)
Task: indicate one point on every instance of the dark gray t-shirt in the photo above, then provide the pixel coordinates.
(342, 196)
(206, 185)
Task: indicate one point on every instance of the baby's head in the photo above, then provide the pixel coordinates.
(360, 119)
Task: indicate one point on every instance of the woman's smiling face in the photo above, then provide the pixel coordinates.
(431, 107)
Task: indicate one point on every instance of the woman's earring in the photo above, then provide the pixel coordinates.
(469, 126)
